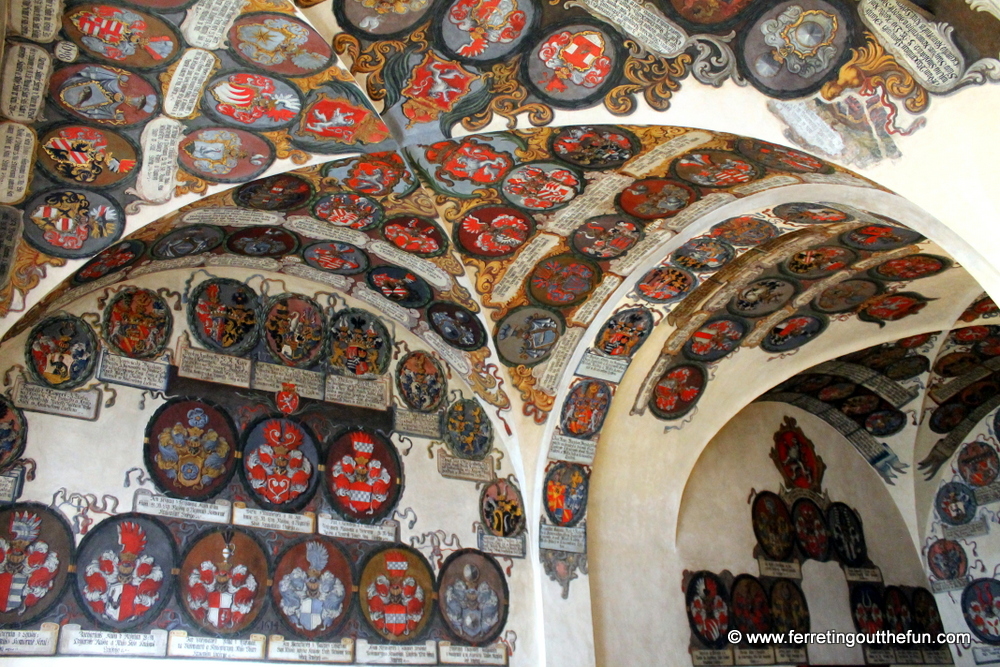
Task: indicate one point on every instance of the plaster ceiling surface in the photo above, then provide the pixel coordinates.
(419, 332)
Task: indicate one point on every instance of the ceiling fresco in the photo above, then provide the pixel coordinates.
(372, 332)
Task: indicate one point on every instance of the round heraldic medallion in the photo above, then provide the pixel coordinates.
(294, 327)
(911, 267)
(421, 381)
(110, 260)
(72, 223)
(653, 198)
(121, 35)
(279, 43)
(947, 560)
(594, 146)
(225, 155)
(818, 262)
(252, 101)
(473, 596)
(703, 254)
(401, 286)
(805, 213)
(312, 587)
(396, 592)
(744, 230)
(677, 391)
(956, 504)
(281, 192)
(716, 338)
(527, 335)
(781, 158)
(606, 237)
(37, 559)
(788, 607)
(715, 169)
(374, 174)
(190, 448)
(467, 430)
(137, 323)
(457, 325)
(476, 31)
(380, 20)
(624, 332)
(224, 316)
(346, 209)
(124, 571)
(847, 535)
(878, 238)
(573, 65)
(541, 186)
(103, 94)
(708, 609)
(493, 231)
(793, 332)
(585, 408)
(665, 284)
(501, 509)
(61, 352)
(763, 297)
(280, 460)
(751, 609)
(980, 601)
(978, 464)
(811, 533)
(359, 345)
(262, 241)
(336, 257)
(13, 433)
(188, 241)
(88, 156)
(566, 489)
(223, 581)
(415, 235)
(772, 525)
(363, 476)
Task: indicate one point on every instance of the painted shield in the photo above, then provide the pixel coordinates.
(374, 174)
(818, 262)
(252, 101)
(467, 429)
(925, 612)
(762, 297)
(363, 477)
(911, 267)
(460, 167)
(359, 344)
(716, 338)
(846, 296)
(473, 596)
(566, 488)
(312, 588)
(703, 254)
(978, 464)
(772, 525)
(188, 241)
(878, 238)
(501, 509)
(847, 535)
(493, 231)
(294, 326)
(281, 192)
(744, 230)
(223, 581)
(789, 609)
(751, 610)
(563, 281)
(715, 169)
(665, 284)
(594, 146)
(811, 533)
(280, 459)
(336, 257)
(436, 85)
(125, 571)
(793, 332)
(190, 448)
(708, 609)
(458, 326)
(486, 31)
(72, 223)
(337, 118)
(585, 408)
(947, 560)
(61, 352)
(224, 316)
(805, 213)
(110, 260)
(892, 307)
(606, 237)
(38, 555)
(370, 20)
(225, 155)
(87, 156)
(415, 235)
(13, 433)
(573, 65)
(867, 608)
(781, 158)
(346, 209)
(527, 335)
(396, 592)
(624, 332)
(279, 43)
(653, 198)
(103, 95)
(794, 47)
(898, 611)
(421, 381)
(980, 601)
(955, 503)
(121, 35)
(137, 323)
(262, 241)
(677, 391)
(541, 186)
(401, 286)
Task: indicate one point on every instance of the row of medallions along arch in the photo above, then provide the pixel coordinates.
(570, 60)
(813, 528)
(872, 293)
(138, 572)
(228, 316)
(110, 98)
